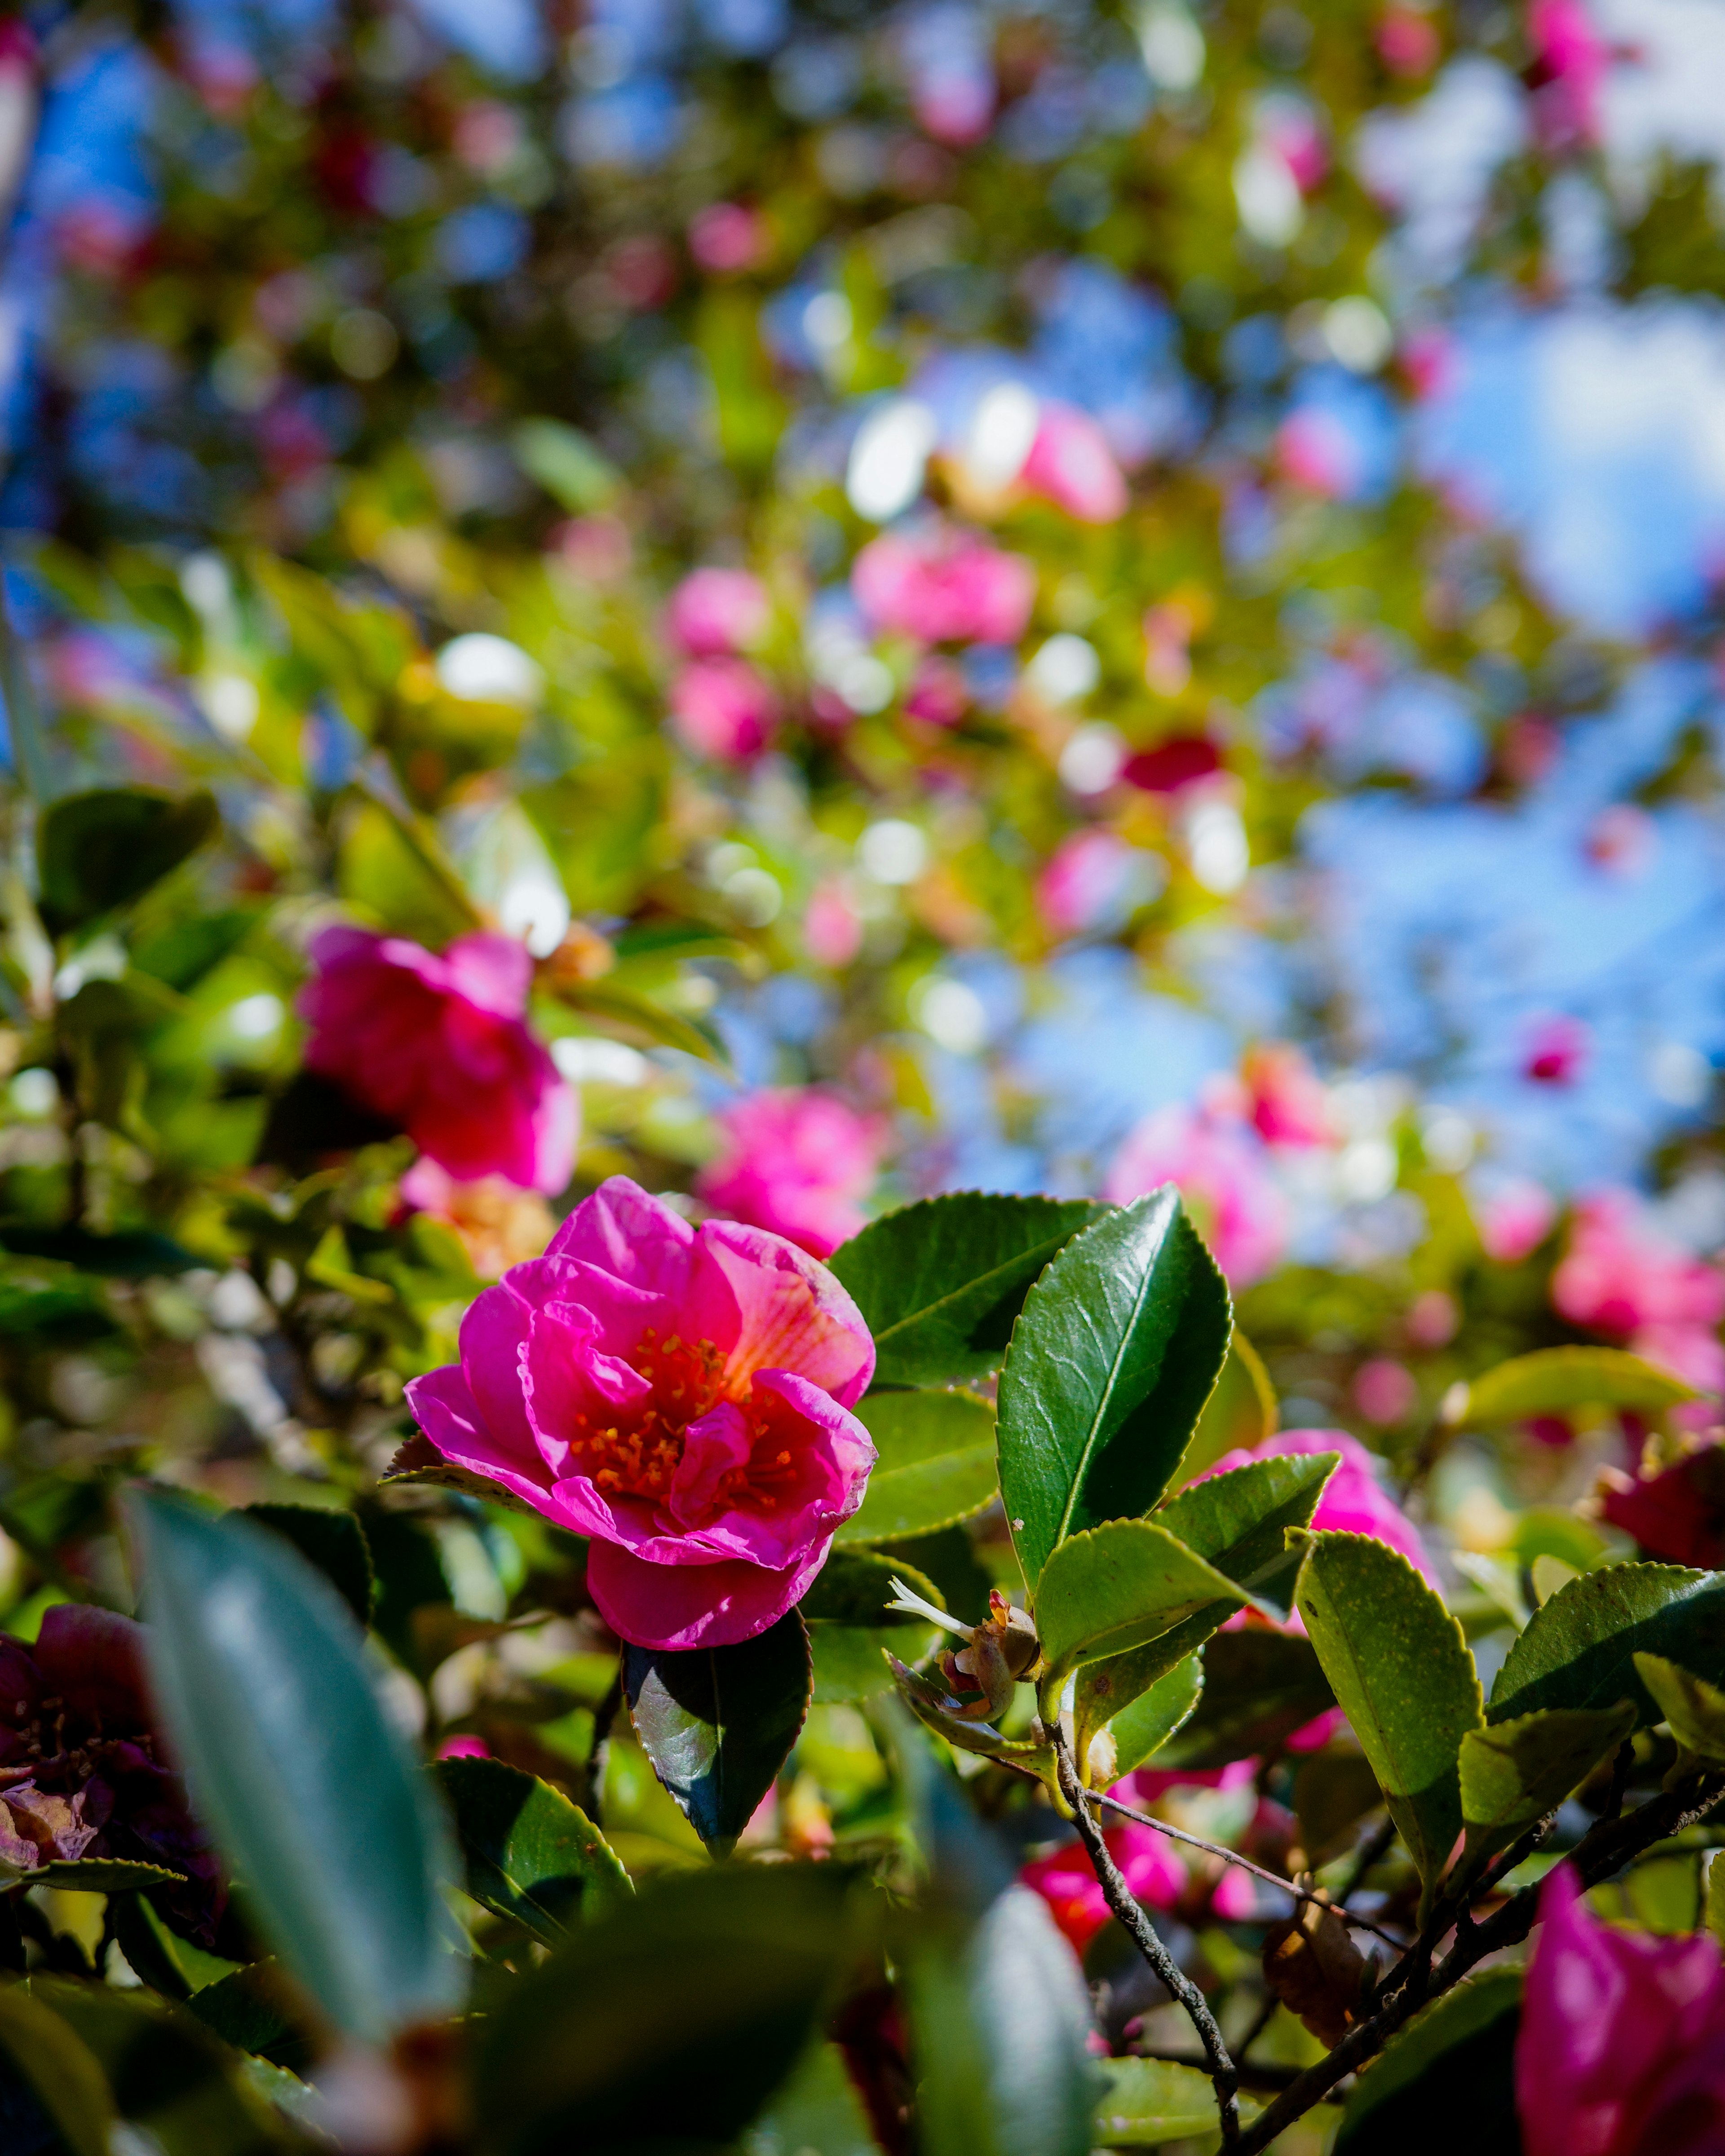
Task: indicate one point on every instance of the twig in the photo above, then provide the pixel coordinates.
(1603, 1849)
(1124, 1904)
(1245, 1864)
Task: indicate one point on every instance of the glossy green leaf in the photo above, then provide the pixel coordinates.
(96, 850)
(60, 2069)
(1111, 1360)
(719, 1722)
(1402, 1674)
(1446, 2081)
(852, 1631)
(1694, 1708)
(308, 1787)
(248, 2009)
(530, 1854)
(1552, 1379)
(1258, 1688)
(1241, 1413)
(1138, 1730)
(1579, 1649)
(334, 1542)
(100, 1875)
(940, 1282)
(1514, 1773)
(669, 2020)
(937, 1465)
(1113, 1587)
(1149, 2101)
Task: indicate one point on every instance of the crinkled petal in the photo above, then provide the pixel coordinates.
(622, 1231)
(443, 1404)
(792, 1313)
(692, 1605)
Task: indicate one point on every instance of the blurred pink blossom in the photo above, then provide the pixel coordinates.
(1621, 2049)
(797, 1163)
(1570, 64)
(1354, 1501)
(715, 611)
(832, 927)
(1676, 1513)
(1071, 464)
(1066, 1883)
(1221, 1171)
(726, 237)
(939, 694)
(463, 1748)
(1620, 1275)
(1556, 1050)
(1289, 1105)
(941, 586)
(1089, 882)
(1514, 1216)
(724, 708)
(1385, 1391)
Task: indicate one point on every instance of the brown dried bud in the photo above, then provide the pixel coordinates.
(1313, 1966)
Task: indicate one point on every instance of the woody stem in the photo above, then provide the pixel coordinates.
(1124, 1904)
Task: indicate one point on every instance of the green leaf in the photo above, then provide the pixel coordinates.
(937, 1465)
(1694, 1709)
(1402, 1674)
(719, 1722)
(1149, 2101)
(818, 2112)
(530, 1854)
(1446, 2081)
(566, 462)
(1241, 1413)
(1111, 1360)
(96, 850)
(1554, 1378)
(1514, 1773)
(851, 1631)
(1113, 1587)
(64, 2073)
(132, 1254)
(334, 1542)
(1258, 1687)
(1579, 1649)
(308, 1789)
(1237, 1521)
(100, 1875)
(246, 2009)
(671, 2020)
(1141, 1728)
(940, 1282)
(630, 1016)
(1713, 1905)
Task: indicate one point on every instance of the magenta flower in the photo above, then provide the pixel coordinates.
(681, 1396)
(715, 611)
(1621, 2050)
(1072, 465)
(1064, 1881)
(795, 1163)
(1569, 71)
(82, 1771)
(1219, 1167)
(1619, 1275)
(1288, 1104)
(440, 1046)
(942, 586)
(725, 708)
(1678, 1514)
(1514, 1215)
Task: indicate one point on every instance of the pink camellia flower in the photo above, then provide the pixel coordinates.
(796, 1162)
(1571, 64)
(681, 1396)
(1621, 2049)
(1619, 1275)
(1064, 1881)
(725, 708)
(440, 1046)
(715, 611)
(1218, 1166)
(1354, 1500)
(1514, 1215)
(497, 1224)
(1071, 464)
(1288, 1104)
(943, 587)
(1678, 1514)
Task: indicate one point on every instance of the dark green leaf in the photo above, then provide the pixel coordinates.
(671, 2020)
(310, 1791)
(1149, 2101)
(1113, 1587)
(182, 954)
(530, 1854)
(1139, 1730)
(61, 2068)
(1555, 1379)
(334, 1542)
(247, 2010)
(1694, 1709)
(1514, 1773)
(950, 1560)
(940, 1282)
(100, 1875)
(1446, 2081)
(719, 1722)
(937, 1465)
(1241, 1413)
(1111, 1360)
(96, 850)
(132, 1253)
(1579, 1649)
(851, 1630)
(1238, 1520)
(1402, 1674)
(1333, 1791)
(1258, 1687)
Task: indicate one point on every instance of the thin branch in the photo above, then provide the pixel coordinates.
(1602, 1851)
(1124, 1904)
(1245, 1864)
